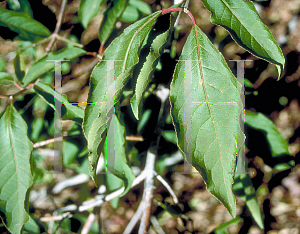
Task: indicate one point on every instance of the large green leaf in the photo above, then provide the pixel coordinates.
(211, 140)
(15, 171)
(111, 16)
(243, 23)
(43, 66)
(88, 10)
(156, 42)
(124, 48)
(69, 111)
(22, 23)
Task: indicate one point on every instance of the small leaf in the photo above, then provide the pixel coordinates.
(208, 131)
(111, 16)
(124, 48)
(243, 188)
(130, 14)
(21, 22)
(156, 42)
(19, 65)
(6, 78)
(121, 168)
(69, 111)
(278, 144)
(15, 169)
(88, 10)
(240, 18)
(43, 66)
(141, 6)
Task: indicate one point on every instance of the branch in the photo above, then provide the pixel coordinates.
(148, 192)
(134, 219)
(88, 224)
(168, 187)
(58, 24)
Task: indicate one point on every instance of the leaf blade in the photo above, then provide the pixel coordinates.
(15, 171)
(43, 66)
(212, 148)
(249, 32)
(124, 48)
(21, 22)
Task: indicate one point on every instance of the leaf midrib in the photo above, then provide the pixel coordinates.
(14, 156)
(206, 97)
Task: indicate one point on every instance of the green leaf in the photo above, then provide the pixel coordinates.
(15, 169)
(43, 66)
(156, 42)
(130, 14)
(223, 227)
(141, 6)
(246, 28)
(22, 23)
(121, 168)
(19, 65)
(211, 140)
(88, 10)
(124, 48)
(111, 16)
(277, 143)
(170, 136)
(25, 7)
(69, 111)
(6, 78)
(31, 227)
(243, 188)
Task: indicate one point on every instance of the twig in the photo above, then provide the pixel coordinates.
(49, 141)
(134, 219)
(168, 187)
(156, 225)
(148, 192)
(98, 202)
(88, 224)
(56, 217)
(58, 25)
(46, 142)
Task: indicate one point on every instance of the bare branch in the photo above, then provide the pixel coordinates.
(168, 187)
(58, 24)
(134, 219)
(88, 224)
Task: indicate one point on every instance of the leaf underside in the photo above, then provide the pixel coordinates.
(208, 130)
(15, 171)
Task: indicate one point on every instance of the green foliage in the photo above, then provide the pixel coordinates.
(88, 10)
(43, 65)
(204, 120)
(96, 117)
(23, 24)
(111, 15)
(244, 25)
(213, 146)
(15, 171)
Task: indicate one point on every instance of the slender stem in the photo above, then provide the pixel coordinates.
(88, 224)
(58, 24)
(168, 187)
(185, 10)
(69, 41)
(134, 219)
